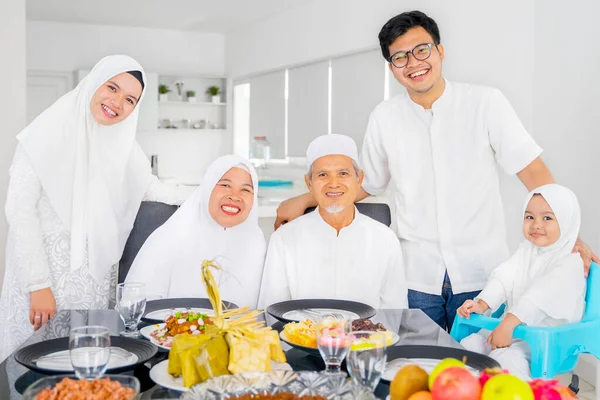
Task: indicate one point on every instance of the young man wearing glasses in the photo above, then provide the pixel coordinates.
(437, 146)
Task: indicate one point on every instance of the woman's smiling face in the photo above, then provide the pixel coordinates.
(232, 198)
(115, 99)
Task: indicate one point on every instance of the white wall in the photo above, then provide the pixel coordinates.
(12, 104)
(486, 42)
(567, 95)
(55, 46)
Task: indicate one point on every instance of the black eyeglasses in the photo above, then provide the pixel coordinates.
(421, 52)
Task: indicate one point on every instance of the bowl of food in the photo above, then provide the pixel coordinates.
(114, 387)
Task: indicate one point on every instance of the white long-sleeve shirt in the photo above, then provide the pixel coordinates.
(440, 165)
(307, 258)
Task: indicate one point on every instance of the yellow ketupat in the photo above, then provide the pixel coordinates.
(180, 344)
(213, 358)
(249, 344)
(247, 355)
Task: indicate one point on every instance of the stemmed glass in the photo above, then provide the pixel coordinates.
(89, 349)
(131, 304)
(366, 357)
(333, 342)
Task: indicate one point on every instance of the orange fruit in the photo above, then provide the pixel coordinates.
(422, 395)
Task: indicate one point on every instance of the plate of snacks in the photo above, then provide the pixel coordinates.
(181, 322)
(114, 387)
(303, 336)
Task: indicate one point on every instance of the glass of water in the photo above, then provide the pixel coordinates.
(366, 357)
(131, 304)
(89, 349)
(333, 342)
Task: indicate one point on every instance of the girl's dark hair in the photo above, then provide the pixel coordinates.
(401, 23)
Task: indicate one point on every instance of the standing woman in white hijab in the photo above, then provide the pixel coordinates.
(542, 284)
(219, 221)
(77, 180)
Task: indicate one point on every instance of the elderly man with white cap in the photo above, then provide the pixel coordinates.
(334, 252)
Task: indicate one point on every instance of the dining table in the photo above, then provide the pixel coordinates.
(412, 326)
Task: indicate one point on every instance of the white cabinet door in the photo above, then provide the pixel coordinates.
(44, 88)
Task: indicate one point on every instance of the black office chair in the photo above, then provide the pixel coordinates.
(378, 211)
(150, 216)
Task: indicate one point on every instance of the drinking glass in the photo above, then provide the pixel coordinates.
(131, 303)
(366, 357)
(333, 342)
(89, 349)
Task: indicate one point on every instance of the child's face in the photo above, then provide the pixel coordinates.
(540, 226)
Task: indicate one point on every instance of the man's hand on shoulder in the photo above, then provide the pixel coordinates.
(291, 209)
(587, 255)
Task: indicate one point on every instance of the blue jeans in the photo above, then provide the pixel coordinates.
(441, 309)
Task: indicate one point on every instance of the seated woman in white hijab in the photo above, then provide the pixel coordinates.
(334, 252)
(218, 222)
(77, 180)
(542, 284)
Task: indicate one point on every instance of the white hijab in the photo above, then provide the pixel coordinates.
(551, 277)
(95, 176)
(170, 260)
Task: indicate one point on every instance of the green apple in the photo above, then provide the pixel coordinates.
(444, 364)
(506, 387)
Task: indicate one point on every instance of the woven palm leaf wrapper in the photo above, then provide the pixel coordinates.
(236, 342)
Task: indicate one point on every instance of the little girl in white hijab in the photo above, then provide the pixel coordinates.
(219, 221)
(542, 284)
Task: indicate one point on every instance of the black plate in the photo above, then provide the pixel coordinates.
(154, 305)
(474, 360)
(277, 310)
(143, 349)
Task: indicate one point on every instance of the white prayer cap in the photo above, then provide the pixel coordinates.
(328, 145)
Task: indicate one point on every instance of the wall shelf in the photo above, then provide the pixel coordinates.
(187, 103)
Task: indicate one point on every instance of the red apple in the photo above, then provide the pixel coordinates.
(488, 373)
(456, 383)
(506, 387)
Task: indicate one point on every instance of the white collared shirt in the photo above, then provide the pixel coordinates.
(443, 176)
(308, 259)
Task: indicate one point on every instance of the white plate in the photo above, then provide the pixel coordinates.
(299, 315)
(147, 330)
(160, 315)
(160, 375)
(428, 364)
(61, 360)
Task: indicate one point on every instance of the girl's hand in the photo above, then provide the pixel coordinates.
(42, 307)
(501, 337)
(472, 306)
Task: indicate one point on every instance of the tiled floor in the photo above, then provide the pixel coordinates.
(586, 390)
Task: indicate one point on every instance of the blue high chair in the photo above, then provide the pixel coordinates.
(554, 351)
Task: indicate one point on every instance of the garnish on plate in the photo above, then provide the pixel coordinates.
(181, 322)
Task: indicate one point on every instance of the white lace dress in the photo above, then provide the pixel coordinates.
(37, 255)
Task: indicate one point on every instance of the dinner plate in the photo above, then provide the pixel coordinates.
(27, 356)
(297, 310)
(147, 330)
(160, 375)
(153, 306)
(315, 351)
(427, 357)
